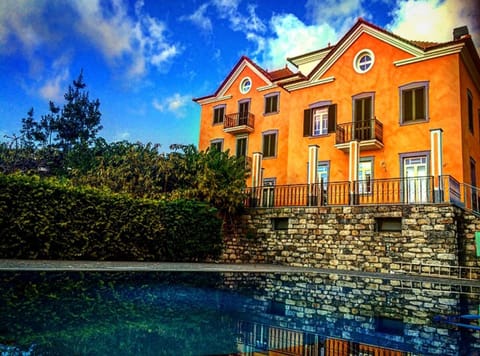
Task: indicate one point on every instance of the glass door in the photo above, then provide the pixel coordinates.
(362, 118)
(416, 179)
(243, 109)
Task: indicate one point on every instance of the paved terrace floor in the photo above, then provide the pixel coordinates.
(120, 266)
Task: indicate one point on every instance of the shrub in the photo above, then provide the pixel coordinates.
(49, 219)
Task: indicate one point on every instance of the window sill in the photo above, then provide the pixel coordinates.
(271, 113)
(413, 122)
(320, 136)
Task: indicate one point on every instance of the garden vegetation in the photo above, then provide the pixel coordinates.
(66, 193)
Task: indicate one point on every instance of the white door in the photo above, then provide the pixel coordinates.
(416, 179)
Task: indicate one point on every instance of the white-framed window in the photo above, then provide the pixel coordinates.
(415, 171)
(365, 175)
(217, 144)
(320, 121)
(414, 102)
(268, 193)
(323, 168)
(363, 61)
(245, 85)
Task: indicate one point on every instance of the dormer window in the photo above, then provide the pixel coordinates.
(363, 61)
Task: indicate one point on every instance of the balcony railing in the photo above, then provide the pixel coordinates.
(368, 132)
(419, 190)
(239, 122)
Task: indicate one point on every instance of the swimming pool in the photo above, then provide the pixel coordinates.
(179, 313)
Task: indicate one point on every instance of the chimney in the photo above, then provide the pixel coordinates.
(459, 32)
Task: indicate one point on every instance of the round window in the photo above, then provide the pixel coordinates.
(245, 85)
(363, 61)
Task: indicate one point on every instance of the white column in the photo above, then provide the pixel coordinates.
(353, 162)
(312, 164)
(436, 151)
(312, 174)
(257, 169)
(436, 161)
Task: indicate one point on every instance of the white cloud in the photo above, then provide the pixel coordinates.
(131, 41)
(19, 27)
(338, 14)
(54, 87)
(200, 19)
(157, 105)
(228, 10)
(434, 20)
(123, 39)
(175, 104)
(121, 136)
(55, 83)
(292, 37)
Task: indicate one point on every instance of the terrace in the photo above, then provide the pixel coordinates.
(369, 133)
(420, 190)
(240, 122)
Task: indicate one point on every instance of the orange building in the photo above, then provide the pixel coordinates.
(372, 109)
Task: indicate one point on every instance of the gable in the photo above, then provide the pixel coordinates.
(365, 35)
(245, 68)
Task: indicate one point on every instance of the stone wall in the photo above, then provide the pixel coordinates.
(349, 307)
(353, 237)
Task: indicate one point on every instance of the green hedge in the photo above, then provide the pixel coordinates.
(46, 219)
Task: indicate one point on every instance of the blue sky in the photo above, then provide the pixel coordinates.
(146, 60)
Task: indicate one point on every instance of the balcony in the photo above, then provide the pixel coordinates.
(369, 133)
(398, 191)
(242, 122)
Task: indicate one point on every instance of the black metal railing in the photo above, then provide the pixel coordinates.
(239, 119)
(359, 130)
(418, 190)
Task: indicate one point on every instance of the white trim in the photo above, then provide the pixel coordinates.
(363, 28)
(266, 87)
(240, 85)
(358, 56)
(417, 53)
(306, 58)
(312, 163)
(307, 84)
(214, 99)
(237, 73)
(431, 55)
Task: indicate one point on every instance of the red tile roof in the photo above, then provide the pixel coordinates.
(280, 74)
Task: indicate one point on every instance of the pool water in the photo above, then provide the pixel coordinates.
(160, 313)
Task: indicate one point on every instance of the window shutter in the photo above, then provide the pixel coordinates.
(307, 122)
(332, 118)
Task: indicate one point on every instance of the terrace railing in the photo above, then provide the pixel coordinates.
(239, 122)
(418, 190)
(363, 131)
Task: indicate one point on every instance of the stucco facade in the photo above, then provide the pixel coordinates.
(373, 106)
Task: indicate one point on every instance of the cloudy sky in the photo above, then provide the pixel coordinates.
(146, 60)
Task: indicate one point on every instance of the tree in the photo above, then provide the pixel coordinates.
(211, 176)
(78, 122)
(52, 137)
